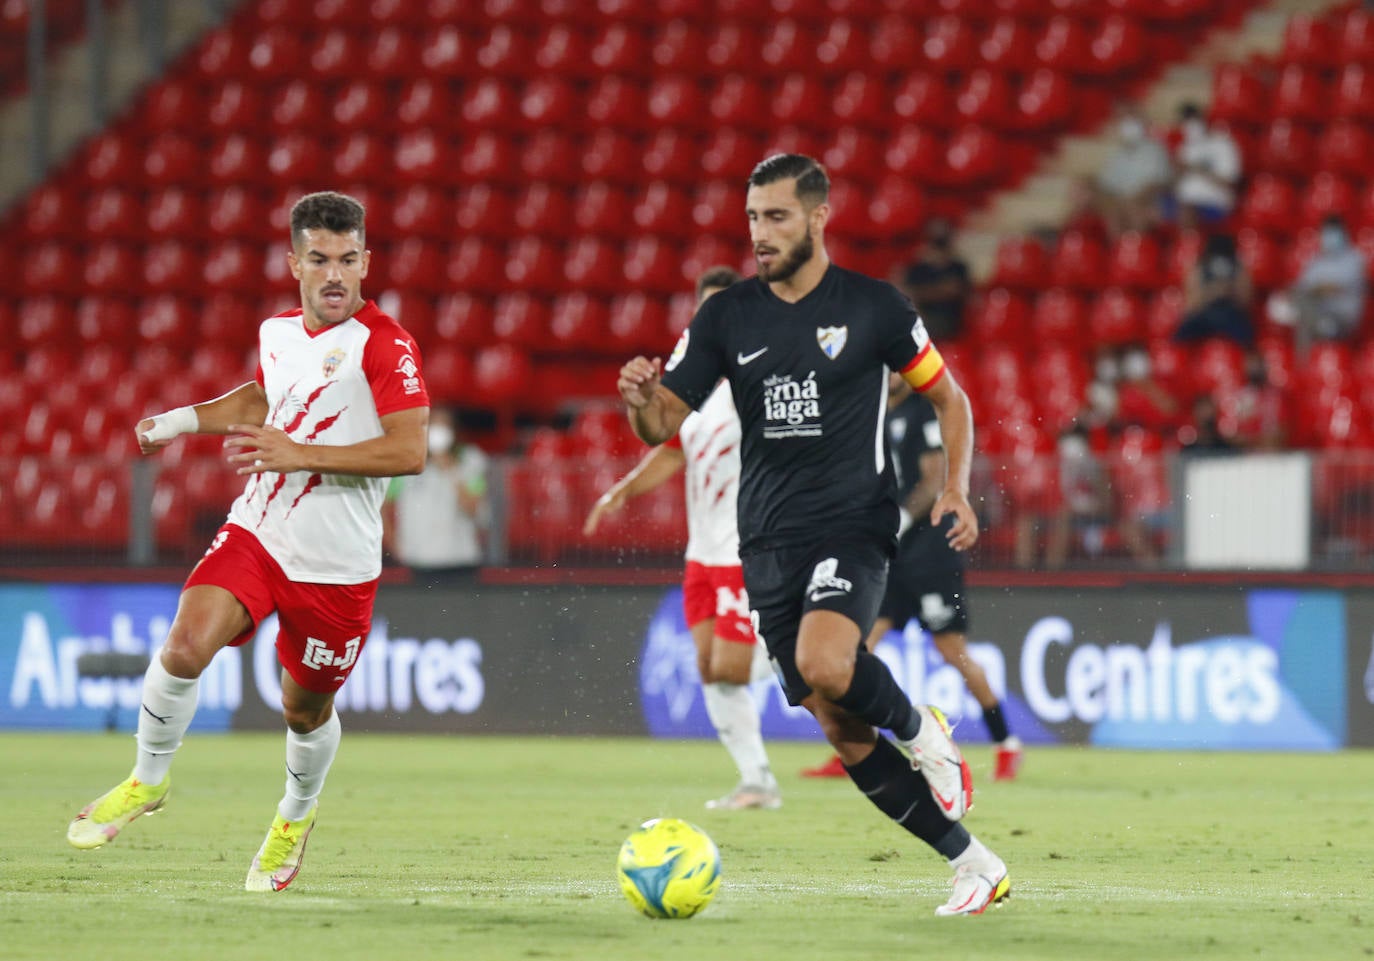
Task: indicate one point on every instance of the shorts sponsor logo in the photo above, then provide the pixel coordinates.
(791, 408)
(832, 340)
(319, 654)
(825, 583)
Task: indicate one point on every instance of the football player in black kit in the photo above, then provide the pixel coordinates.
(926, 581)
(806, 346)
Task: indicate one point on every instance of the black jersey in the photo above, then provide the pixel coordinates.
(912, 430)
(810, 385)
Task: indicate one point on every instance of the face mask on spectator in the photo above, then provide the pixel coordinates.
(1131, 131)
(1194, 129)
(1332, 239)
(440, 438)
(1135, 365)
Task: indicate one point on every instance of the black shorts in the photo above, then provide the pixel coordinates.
(927, 583)
(784, 583)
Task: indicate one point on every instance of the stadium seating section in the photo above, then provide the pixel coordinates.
(545, 178)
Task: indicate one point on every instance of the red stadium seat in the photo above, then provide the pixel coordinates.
(707, 251)
(1302, 94)
(620, 48)
(521, 319)
(166, 322)
(506, 52)
(100, 324)
(1344, 148)
(491, 104)
(897, 209)
(1269, 203)
(603, 209)
(1046, 102)
(1218, 363)
(1356, 37)
(731, 154)
(335, 53)
(1020, 263)
(1355, 92)
(1007, 45)
(578, 321)
(1116, 318)
(1164, 313)
(476, 266)
(535, 264)
(861, 99)
(975, 157)
(1287, 148)
(616, 102)
(392, 54)
(1136, 261)
(52, 211)
(174, 212)
(423, 102)
(550, 101)
(593, 264)
(49, 268)
(951, 44)
(842, 46)
(1261, 257)
(113, 214)
(463, 320)
(562, 50)
(173, 105)
(448, 374)
(1182, 255)
(662, 208)
(854, 155)
(1326, 193)
(678, 46)
(737, 100)
(653, 264)
(502, 374)
(416, 265)
(1059, 316)
(170, 266)
(788, 45)
(448, 52)
(1065, 45)
(1308, 40)
(1078, 261)
(365, 107)
(999, 316)
(610, 155)
(923, 98)
(637, 322)
(1239, 96)
(110, 268)
(984, 99)
(235, 107)
(918, 154)
(732, 46)
(44, 321)
(296, 105)
(1119, 46)
(236, 213)
(795, 99)
(173, 159)
(237, 159)
(551, 154)
(895, 43)
(671, 155)
(223, 56)
(544, 207)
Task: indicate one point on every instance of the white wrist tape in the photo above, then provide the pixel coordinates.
(905, 521)
(182, 420)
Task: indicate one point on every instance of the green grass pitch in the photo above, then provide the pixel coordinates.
(495, 848)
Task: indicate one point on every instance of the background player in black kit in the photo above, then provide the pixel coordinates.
(806, 347)
(926, 581)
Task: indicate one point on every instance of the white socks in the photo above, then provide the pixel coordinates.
(168, 704)
(736, 720)
(308, 757)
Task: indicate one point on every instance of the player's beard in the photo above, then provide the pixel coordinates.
(793, 262)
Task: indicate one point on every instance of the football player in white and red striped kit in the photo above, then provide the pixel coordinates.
(713, 597)
(338, 407)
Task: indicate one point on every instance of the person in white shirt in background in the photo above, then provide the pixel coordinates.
(714, 600)
(436, 520)
(1327, 300)
(1209, 165)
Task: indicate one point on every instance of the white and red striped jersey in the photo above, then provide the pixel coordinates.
(331, 387)
(710, 440)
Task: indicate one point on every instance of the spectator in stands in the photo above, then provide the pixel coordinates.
(1209, 165)
(1255, 414)
(938, 281)
(1328, 298)
(436, 520)
(1085, 510)
(1217, 296)
(1203, 436)
(1135, 175)
(1142, 400)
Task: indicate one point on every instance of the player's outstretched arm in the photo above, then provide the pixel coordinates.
(400, 450)
(653, 469)
(956, 430)
(245, 404)
(655, 412)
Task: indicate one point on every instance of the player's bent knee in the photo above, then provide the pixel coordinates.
(183, 656)
(825, 673)
(304, 718)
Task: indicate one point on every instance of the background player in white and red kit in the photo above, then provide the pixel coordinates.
(338, 407)
(713, 596)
